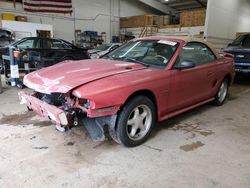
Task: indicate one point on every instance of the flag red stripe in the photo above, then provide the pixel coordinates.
(47, 10)
(47, 5)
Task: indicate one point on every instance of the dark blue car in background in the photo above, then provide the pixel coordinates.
(240, 48)
(49, 51)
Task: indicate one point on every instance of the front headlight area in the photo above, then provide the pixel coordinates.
(84, 104)
(91, 109)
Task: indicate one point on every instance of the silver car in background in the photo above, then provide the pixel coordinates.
(103, 49)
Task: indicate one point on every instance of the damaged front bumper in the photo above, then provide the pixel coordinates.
(63, 119)
(53, 113)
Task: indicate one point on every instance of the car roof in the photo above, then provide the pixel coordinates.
(112, 43)
(246, 34)
(47, 38)
(182, 39)
(41, 38)
(32, 37)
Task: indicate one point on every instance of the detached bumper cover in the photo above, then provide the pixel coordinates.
(43, 109)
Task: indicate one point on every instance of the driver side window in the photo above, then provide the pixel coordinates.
(196, 52)
(29, 44)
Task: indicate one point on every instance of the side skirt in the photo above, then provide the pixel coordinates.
(185, 109)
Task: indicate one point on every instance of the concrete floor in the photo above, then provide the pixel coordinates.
(207, 147)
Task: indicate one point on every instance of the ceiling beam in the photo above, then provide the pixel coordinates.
(173, 4)
(188, 8)
(202, 5)
(158, 6)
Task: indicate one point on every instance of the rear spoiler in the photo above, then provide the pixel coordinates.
(226, 55)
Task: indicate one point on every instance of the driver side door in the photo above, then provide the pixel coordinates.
(30, 47)
(193, 85)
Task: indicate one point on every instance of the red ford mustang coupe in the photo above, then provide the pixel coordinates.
(146, 80)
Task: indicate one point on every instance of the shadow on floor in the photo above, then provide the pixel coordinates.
(174, 121)
(242, 80)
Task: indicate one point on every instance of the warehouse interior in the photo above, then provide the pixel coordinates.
(124, 93)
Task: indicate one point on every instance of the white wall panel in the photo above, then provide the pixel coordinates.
(26, 27)
(225, 18)
(97, 15)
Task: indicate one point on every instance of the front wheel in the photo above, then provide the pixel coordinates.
(135, 121)
(222, 93)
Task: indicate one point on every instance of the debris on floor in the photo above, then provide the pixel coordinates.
(192, 146)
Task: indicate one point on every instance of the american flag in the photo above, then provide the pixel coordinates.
(48, 6)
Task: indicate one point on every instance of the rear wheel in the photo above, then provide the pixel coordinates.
(222, 93)
(135, 121)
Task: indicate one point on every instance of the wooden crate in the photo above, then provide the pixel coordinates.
(164, 20)
(171, 26)
(193, 18)
(21, 18)
(139, 21)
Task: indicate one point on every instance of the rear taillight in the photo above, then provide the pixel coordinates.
(226, 54)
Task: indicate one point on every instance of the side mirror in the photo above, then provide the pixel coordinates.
(185, 65)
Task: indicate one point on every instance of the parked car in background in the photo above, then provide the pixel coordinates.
(240, 48)
(144, 81)
(44, 52)
(6, 38)
(103, 49)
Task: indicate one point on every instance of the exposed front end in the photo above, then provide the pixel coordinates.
(67, 111)
(54, 113)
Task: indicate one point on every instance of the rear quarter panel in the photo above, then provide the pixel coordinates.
(224, 68)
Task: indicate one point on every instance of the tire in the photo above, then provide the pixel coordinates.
(6, 72)
(129, 129)
(222, 93)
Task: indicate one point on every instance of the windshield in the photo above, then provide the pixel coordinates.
(238, 40)
(103, 47)
(147, 52)
(17, 42)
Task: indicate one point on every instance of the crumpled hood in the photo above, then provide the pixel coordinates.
(68, 75)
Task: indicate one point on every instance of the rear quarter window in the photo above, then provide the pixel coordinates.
(197, 52)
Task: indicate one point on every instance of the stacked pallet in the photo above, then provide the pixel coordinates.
(193, 18)
(13, 17)
(164, 20)
(139, 21)
(21, 18)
